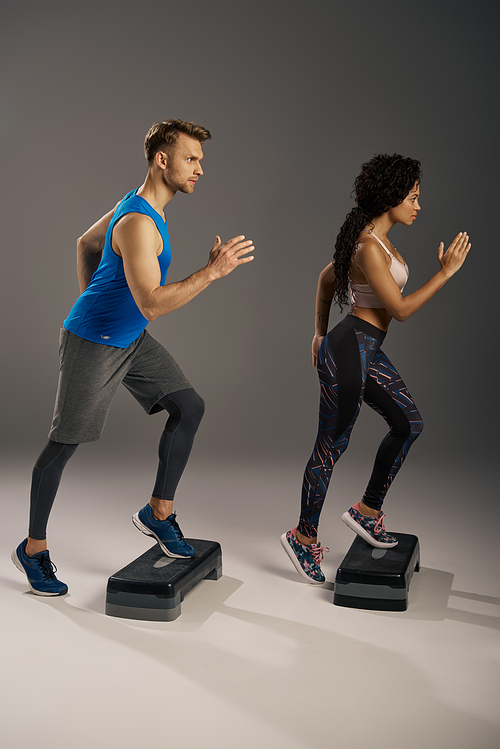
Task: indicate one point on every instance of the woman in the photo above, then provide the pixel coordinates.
(351, 365)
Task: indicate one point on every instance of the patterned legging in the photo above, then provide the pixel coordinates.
(352, 368)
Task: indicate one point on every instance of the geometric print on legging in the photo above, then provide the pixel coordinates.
(393, 448)
(329, 445)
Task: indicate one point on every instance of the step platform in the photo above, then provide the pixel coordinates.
(153, 586)
(377, 579)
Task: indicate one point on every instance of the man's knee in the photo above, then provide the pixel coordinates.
(185, 406)
(193, 408)
(199, 405)
(55, 453)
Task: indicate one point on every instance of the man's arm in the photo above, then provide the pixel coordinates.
(89, 249)
(136, 240)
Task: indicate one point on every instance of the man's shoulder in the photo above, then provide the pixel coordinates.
(136, 205)
(133, 210)
(135, 224)
(132, 220)
(135, 233)
(131, 202)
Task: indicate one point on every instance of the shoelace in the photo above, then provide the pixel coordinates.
(48, 567)
(317, 553)
(379, 526)
(175, 525)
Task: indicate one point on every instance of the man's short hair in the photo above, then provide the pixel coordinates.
(163, 135)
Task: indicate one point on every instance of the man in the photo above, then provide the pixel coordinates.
(122, 263)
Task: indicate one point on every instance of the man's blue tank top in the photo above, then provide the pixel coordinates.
(106, 311)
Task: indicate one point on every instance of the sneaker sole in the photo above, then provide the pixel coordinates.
(357, 528)
(148, 532)
(288, 549)
(20, 567)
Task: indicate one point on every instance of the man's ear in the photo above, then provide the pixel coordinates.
(161, 159)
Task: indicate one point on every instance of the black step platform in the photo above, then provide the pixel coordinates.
(153, 586)
(377, 579)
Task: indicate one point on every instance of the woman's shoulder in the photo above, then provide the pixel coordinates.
(368, 252)
(366, 242)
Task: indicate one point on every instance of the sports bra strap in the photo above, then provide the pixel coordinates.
(381, 243)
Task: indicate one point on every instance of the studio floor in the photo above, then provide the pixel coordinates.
(257, 658)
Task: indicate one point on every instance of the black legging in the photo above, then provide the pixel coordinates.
(186, 409)
(352, 368)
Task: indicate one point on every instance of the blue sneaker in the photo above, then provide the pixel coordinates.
(40, 572)
(305, 559)
(167, 533)
(371, 529)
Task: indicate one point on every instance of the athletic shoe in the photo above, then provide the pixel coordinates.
(371, 529)
(306, 559)
(167, 533)
(40, 572)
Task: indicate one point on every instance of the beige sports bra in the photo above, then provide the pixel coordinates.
(361, 293)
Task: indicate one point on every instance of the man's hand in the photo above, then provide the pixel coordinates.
(224, 258)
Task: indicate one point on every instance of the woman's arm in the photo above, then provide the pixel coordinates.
(324, 296)
(373, 265)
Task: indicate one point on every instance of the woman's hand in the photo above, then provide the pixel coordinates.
(454, 257)
(316, 343)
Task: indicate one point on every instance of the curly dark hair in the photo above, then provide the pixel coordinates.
(384, 182)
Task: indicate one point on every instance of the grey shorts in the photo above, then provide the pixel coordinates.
(89, 377)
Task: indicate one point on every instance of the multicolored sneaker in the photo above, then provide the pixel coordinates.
(371, 529)
(167, 533)
(306, 559)
(39, 570)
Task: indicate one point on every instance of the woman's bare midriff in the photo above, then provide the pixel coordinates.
(377, 316)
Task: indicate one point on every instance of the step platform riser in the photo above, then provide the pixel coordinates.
(377, 579)
(153, 586)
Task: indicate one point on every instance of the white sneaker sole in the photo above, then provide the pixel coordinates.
(357, 528)
(148, 532)
(20, 567)
(296, 563)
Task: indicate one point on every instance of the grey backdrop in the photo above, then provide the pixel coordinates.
(297, 96)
